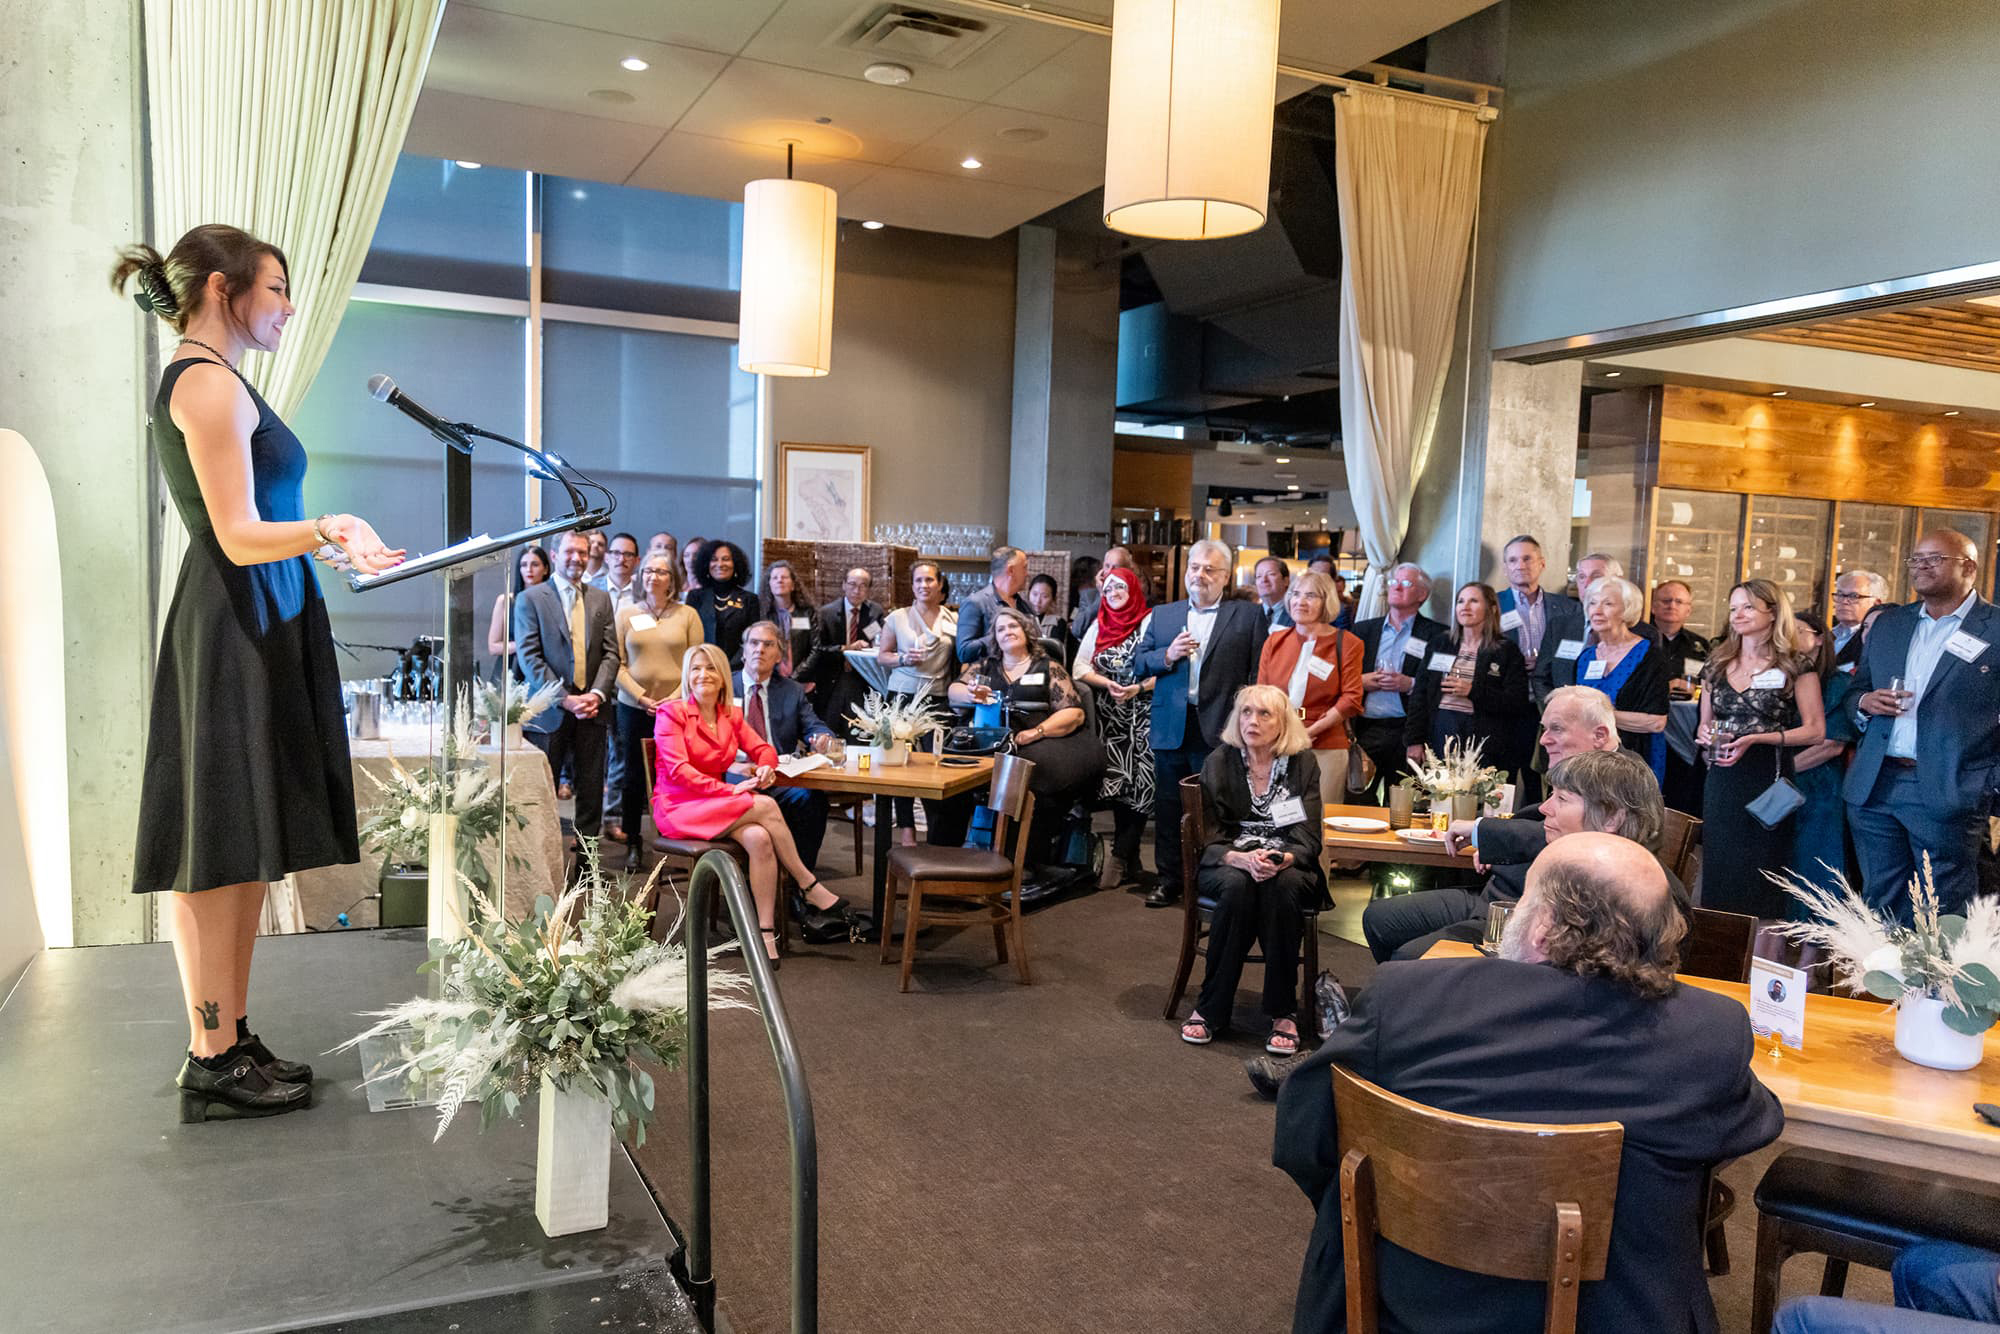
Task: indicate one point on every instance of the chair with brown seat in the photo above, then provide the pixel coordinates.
(1717, 945)
(1197, 910)
(689, 850)
(1511, 1200)
(1680, 836)
(983, 886)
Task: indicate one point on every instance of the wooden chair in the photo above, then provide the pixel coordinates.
(1680, 836)
(687, 851)
(1197, 911)
(986, 886)
(1717, 945)
(1512, 1200)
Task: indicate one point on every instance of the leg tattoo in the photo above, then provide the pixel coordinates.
(211, 1014)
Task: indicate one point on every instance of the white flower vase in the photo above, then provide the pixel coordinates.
(879, 756)
(572, 1162)
(1923, 1037)
(444, 918)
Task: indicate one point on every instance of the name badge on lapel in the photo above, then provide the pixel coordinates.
(1441, 662)
(871, 633)
(1414, 649)
(1318, 668)
(1965, 647)
(1595, 671)
(1510, 621)
(1292, 810)
(1569, 650)
(1692, 667)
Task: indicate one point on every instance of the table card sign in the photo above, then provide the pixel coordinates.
(1778, 1002)
(1501, 802)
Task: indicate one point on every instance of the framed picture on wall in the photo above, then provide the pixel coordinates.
(823, 492)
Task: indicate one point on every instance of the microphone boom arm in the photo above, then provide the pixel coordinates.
(548, 468)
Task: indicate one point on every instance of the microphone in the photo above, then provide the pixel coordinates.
(383, 390)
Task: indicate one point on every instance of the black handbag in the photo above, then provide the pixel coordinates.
(977, 740)
(1776, 803)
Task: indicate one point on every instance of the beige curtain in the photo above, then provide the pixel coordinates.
(283, 117)
(1407, 175)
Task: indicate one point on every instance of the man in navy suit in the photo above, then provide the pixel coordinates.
(777, 708)
(1272, 579)
(566, 632)
(1537, 620)
(1580, 1019)
(1202, 651)
(850, 621)
(1928, 699)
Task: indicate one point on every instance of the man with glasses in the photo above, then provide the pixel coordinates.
(1393, 647)
(621, 580)
(850, 621)
(777, 709)
(1855, 594)
(1928, 697)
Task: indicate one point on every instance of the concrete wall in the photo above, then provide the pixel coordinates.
(1655, 160)
(70, 381)
(923, 351)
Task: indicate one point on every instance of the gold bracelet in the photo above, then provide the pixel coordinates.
(319, 531)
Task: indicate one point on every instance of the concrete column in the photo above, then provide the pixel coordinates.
(1065, 387)
(70, 192)
(1532, 418)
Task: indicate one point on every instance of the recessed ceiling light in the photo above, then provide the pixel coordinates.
(1291, 486)
(1869, 404)
(1281, 460)
(1779, 393)
(1612, 375)
(972, 164)
(872, 225)
(617, 95)
(634, 64)
(468, 165)
(1023, 134)
(887, 73)
(1952, 413)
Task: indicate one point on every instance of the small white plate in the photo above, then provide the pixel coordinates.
(1420, 835)
(1355, 824)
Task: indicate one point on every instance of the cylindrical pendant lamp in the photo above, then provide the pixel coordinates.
(1188, 148)
(785, 322)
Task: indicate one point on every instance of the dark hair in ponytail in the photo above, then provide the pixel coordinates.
(173, 286)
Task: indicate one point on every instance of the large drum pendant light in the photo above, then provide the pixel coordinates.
(1188, 149)
(785, 322)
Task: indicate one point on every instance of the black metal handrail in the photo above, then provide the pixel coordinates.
(714, 867)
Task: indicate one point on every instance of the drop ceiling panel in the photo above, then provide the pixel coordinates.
(528, 138)
(692, 164)
(756, 103)
(1074, 83)
(805, 34)
(1068, 157)
(553, 65)
(702, 24)
(933, 203)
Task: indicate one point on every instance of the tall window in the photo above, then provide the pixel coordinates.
(637, 380)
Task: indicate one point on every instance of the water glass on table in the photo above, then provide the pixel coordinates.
(1496, 927)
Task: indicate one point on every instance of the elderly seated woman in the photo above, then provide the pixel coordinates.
(1047, 716)
(1260, 804)
(697, 735)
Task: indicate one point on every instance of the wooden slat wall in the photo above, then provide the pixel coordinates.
(1711, 440)
(1965, 335)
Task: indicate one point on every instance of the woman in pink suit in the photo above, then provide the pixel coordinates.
(697, 734)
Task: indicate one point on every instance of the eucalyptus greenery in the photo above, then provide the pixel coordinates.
(579, 992)
(1942, 955)
(459, 782)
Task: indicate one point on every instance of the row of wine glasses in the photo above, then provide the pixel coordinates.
(938, 539)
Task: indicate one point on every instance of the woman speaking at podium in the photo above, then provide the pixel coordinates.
(246, 776)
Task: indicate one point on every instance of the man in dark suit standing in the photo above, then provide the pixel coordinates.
(850, 621)
(1272, 579)
(565, 631)
(1928, 696)
(1393, 648)
(1201, 650)
(1537, 620)
(777, 709)
(975, 614)
(1579, 1020)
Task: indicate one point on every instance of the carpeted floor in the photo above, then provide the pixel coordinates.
(996, 1157)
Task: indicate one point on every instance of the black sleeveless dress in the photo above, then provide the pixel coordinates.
(246, 774)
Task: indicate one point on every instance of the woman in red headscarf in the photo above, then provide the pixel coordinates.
(1104, 661)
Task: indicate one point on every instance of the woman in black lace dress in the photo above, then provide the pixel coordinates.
(246, 775)
(1760, 701)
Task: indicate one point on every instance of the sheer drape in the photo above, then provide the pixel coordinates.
(1407, 175)
(285, 118)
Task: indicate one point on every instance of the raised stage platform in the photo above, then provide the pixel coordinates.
(115, 1217)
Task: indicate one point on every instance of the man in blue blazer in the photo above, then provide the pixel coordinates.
(1536, 619)
(1928, 698)
(1202, 651)
(549, 617)
(776, 706)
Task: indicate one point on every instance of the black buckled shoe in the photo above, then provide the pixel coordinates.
(240, 1088)
(279, 1069)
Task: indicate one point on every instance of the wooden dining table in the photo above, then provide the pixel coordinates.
(1384, 846)
(1849, 1092)
(924, 776)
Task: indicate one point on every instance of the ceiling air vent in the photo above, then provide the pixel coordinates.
(909, 33)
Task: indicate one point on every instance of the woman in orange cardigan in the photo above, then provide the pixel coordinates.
(1319, 667)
